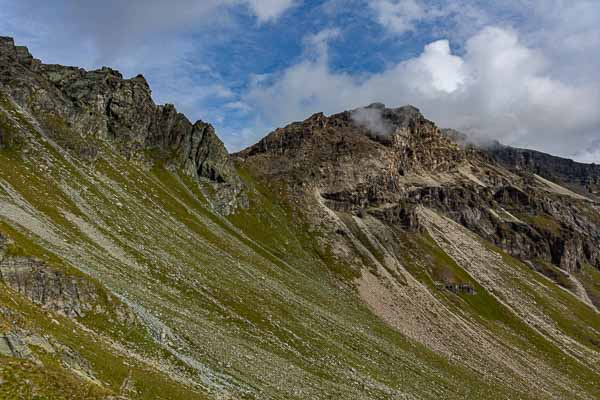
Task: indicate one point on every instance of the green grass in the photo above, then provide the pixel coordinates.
(543, 223)
(257, 295)
(110, 368)
(23, 379)
(590, 279)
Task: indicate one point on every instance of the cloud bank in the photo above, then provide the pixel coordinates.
(498, 89)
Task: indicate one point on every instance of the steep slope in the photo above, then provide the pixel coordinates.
(424, 228)
(138, 260)
(582, 177)
(80, 109)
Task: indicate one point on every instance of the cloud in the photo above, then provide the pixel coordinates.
(498, 89)
(318, 43)
(111, 30)
(132, 35)
(522, 71)
(239, 106)
(455, 18)
(269, 10)
(591, 156)
(398, 16)
(435, 71)
(372, 119)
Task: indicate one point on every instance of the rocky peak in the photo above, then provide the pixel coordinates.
(377, 115)
(7, 47)
(388, 162)
(74, 105)
(355, 158)
(402, 136)
(20, 54)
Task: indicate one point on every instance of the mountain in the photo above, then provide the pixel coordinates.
(363, 255)
(584, 178)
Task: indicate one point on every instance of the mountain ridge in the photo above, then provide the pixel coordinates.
(352, 170)
(362, 255)
(113, 108)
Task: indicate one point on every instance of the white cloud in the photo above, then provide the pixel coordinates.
(435, 71)
(269, 10)
(318, 43)
(372, 119)
(116, 32)
(401, 16)
(239, 106)
(499, 89)
(398, 16)
(590, 156)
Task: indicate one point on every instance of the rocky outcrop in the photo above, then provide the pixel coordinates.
(585, 177)
(388, 162)
(456, 288)
(53, 289)
(77, 107)
(48, 288)
(529, 224)
(349, 163)
(12, 345)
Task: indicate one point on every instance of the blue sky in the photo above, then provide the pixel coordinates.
(520, 71)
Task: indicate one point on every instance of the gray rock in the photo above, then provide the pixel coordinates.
(356, 171)
(77, 106)
(51, 289)
(581, 177)
(11, 345)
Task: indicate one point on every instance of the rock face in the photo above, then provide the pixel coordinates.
(11, 345)
(388, 162)
(50, 289)
(585, 177)
(54, 290)
(77, 107)
(352, 166)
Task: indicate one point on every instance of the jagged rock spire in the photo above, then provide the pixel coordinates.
(102, 104)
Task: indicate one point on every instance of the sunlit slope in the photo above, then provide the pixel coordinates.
(246, 303)
(499, 316)
(255, 305)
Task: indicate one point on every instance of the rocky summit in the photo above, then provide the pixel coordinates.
(363, 255)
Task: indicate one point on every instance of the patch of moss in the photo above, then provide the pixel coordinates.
(554, 273)
(590, 279)
(544, 223)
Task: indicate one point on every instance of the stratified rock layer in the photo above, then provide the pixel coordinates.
(356, 169)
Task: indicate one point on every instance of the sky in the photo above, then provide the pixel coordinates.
(524, 72)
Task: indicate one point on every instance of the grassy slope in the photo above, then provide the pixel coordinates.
(489, 313)
(252, 304)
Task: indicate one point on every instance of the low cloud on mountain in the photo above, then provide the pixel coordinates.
(498, 86)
